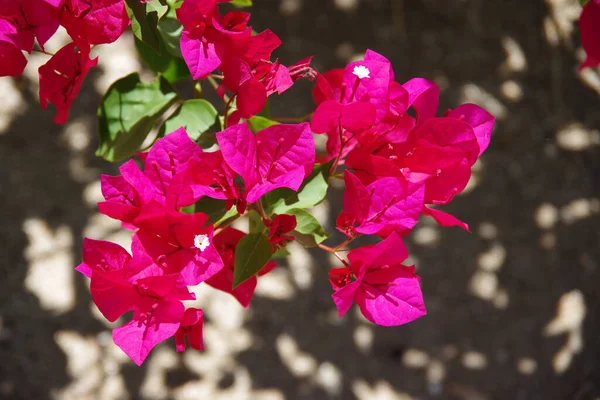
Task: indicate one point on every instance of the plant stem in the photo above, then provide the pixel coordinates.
(334, 252)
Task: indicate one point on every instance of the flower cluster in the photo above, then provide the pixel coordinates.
(396, 165)
(213, 41)
(172, 250)
(88, 23)
(179, 200)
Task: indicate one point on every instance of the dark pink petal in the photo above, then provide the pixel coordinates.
(395, 204)
(102, 256)
(589, 27)
(12, 60)
(169, 156)
(442, 187)
(357, 199)
(199, 55)
(284, 152)
(373, 89)
(96, 22)
(138, 337)
(423, 96)
(354, 117)
(61, 78)
(260, 46)
(344, 297)
(191, 326)
(391, 296)
(390, 251)
(251, 98)
(479, 119)
(238, 146)
(112, 293)
(193, 12)
(223, 281)
(444, 219)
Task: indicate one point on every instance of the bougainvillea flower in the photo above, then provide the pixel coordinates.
(191, 327)
(444, 219)
(481, 121)
(423, 96)
(62, 76)
(126, 194)
(225, 243)
(275, 157)
(328, 86)
(32, 18)
(105, 256)
(331, 115)
(387, 292)
(12, 60)
(383, 206)
(279, 227)
(158, 311)
(179, 243)
(94, 22)
(165, 179)
(589, 27)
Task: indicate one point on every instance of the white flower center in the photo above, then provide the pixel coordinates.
(361, 71)
(201, 242)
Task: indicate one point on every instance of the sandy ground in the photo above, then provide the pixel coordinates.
(514, 307)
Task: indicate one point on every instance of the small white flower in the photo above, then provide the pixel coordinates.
(201, 242)
(361, 71)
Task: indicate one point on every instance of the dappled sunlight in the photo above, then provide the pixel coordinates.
(381, 390)
(511, 90)
(474, 360)
(290, 7)
(50, 274)
(515, 56)
(575, 137)
(473, 93)
(12, 103)
(579, 209)
(570, 314)
(299, 363)
(276, 285)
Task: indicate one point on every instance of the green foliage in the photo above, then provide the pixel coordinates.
(214, 209)
(169, 30)
(196, 116)
(308, 232)
(311, 193)
(144, 20)
(242, 3)
(258, 123)
(172, 68)
(128, 112)
(251, 254)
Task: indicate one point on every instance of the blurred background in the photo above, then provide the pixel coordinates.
(513, 307)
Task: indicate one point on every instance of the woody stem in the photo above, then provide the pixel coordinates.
(334, 252)
(346, 242)
(303, 118)
(227, 223)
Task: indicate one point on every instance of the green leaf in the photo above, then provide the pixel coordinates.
(128, 112)
(282, 252)
(144, 20)
(172, 68)
(242, 3)
(311, 193)
(583, 2)
(169, 30)
(309, 231)
(196, 116)
(258, 123)
(255, 223)
(251, 254)
(215, 209)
